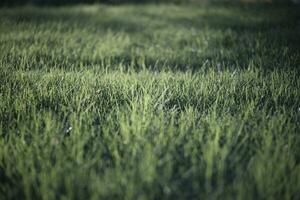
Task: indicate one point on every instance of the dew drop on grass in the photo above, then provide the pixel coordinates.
(69, 129)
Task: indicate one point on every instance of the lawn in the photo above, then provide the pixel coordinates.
(150, 102)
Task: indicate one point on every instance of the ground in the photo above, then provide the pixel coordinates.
(150, 102)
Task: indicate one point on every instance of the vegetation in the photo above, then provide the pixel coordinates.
(68, 2)
(64, 2)
(150, 102)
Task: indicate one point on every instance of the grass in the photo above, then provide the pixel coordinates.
(150, 102)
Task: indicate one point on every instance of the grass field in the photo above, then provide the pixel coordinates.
(150, 102)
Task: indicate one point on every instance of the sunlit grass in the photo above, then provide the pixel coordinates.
(149, 102)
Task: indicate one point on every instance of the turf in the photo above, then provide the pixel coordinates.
(150, 102)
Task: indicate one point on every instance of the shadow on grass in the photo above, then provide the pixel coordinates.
(270, 31)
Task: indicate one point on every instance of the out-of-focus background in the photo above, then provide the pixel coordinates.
(63, 2)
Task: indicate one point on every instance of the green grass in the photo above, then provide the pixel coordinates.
(150, 102)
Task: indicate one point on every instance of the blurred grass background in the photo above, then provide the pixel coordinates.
(65, 2)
